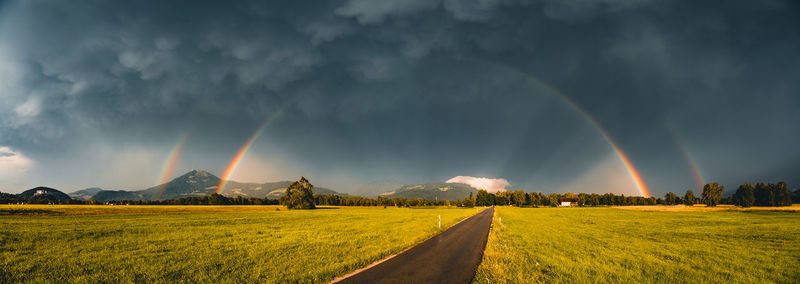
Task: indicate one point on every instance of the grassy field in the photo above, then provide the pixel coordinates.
(42, 243)
(623, 246)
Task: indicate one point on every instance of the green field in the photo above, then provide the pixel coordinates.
(204, 243)
(622, 246)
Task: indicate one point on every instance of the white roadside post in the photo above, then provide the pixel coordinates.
(440, 221)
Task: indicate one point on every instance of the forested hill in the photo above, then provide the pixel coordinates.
(433, 191)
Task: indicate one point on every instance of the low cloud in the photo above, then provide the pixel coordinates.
(491, 185)
(12, 164)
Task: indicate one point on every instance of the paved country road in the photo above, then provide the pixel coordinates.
(450, 257)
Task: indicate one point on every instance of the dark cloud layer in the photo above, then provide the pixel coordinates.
(417, 90)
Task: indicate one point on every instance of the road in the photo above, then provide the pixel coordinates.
(450, 257)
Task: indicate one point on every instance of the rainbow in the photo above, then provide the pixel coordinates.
(635, 176)
(238, 158)
(169, 165)
(698, 176)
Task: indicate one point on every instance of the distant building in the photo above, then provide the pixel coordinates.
(568, 201)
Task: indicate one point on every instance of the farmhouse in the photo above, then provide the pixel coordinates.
(568, 201)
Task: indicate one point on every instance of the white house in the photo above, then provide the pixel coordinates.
(568, 201)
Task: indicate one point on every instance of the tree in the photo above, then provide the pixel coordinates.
(482, 198)
(217, 199)
(796, 196)
(744, 196)
(492, 199)
(554, 199)
(764, 194)
(469, 201)
(782, 195)
(502, 198)
(299, 195)
(712, 192)
(670, 198)
(518, 197)
(689, 198)
(534, 199)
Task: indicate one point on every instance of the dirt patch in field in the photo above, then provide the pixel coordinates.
(45, 210)
(29, 212)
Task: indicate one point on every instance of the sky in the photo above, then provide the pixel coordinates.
(539, 95)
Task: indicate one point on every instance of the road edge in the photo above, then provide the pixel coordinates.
(343, 277)
(483, 252)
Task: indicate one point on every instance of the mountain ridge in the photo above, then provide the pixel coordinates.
(197, 183)
(85, 194)
(433, 191)
(376, 188)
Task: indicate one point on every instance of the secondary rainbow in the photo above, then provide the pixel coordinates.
(169, 165)
(698, 176)
(238, 158)
(635, 176)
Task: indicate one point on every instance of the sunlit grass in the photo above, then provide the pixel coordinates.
(572, 245)
(204, 243)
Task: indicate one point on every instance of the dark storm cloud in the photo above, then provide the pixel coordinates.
(412, 90)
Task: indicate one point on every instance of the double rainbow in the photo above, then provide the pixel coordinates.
(635, 176)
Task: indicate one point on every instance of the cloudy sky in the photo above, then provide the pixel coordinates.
(98, 93)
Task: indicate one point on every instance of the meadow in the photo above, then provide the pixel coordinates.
(63, 243)
(613, 245)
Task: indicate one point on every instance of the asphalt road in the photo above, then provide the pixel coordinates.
(450, 257)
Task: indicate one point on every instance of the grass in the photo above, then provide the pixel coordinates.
(55, 243)
(704, 208)
(579, 245)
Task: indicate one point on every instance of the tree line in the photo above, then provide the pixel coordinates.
(747, 195)
(537, 199)
(300, 195)
(338, 200)
(761, 194)
(758, 194)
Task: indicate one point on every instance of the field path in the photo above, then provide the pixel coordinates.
(449, 257)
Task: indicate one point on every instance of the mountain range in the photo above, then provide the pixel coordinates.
(433, 191)
(202, 183)
(374, 189)
(85, 194)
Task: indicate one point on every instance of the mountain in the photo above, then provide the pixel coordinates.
(374, 189)
(193, 183)
(85, 194)
(108, 195)
(433, 191)
(202, 183)
(45, 193)
(272, 190)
